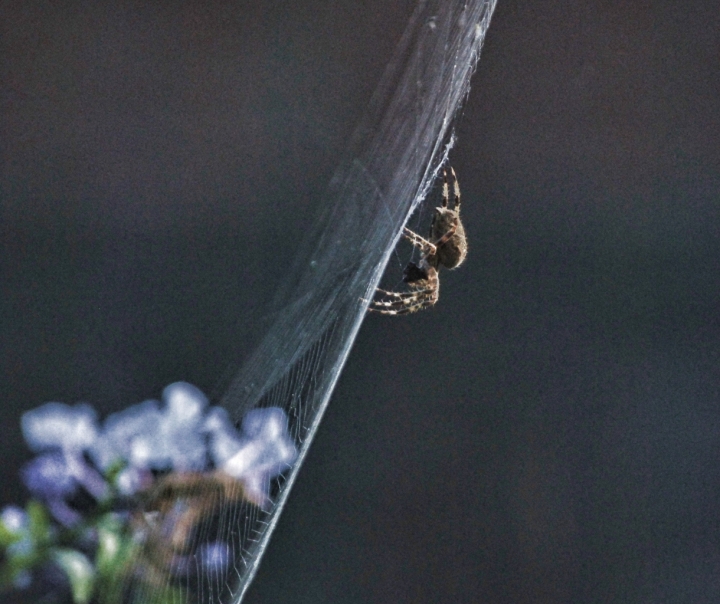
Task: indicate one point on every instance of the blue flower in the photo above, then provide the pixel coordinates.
(66, 432)
(147, 437)
(50, 478)
(14, 519)
(224, 438)
(215, 556)
(263, 451)
(59, 426)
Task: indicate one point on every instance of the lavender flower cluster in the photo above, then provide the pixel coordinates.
(123, 458)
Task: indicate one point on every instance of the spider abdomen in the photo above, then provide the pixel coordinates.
(452, 252)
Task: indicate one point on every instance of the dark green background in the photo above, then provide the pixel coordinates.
(548, 433)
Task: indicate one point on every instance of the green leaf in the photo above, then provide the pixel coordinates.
(7, 537)
(39, 521)
(110, 543)
(116, 547)
(116, 557)
(79, 570)
(114, 471)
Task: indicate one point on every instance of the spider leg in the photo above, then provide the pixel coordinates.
(401, 303)
(445, 189)
(400, 311)
(405, 296)
(385, 307)
(456, 191)
(397, 298)
(400, 299)
(427, 248)
(399, 294)
(404, 310)
(407, 309)
(387, 293)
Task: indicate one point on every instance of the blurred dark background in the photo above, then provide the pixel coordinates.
(548, 433)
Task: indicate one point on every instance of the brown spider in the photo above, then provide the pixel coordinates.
(447, 247)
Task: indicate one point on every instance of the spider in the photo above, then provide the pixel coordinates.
(447, 247)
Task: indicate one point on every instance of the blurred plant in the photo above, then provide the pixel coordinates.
(117, 505)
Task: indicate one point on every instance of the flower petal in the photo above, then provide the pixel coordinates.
(57, 425)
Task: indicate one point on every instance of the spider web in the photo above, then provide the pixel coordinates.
(394, 158)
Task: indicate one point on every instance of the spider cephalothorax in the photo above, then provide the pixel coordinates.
(447, 247)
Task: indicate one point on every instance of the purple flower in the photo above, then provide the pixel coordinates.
(263, 451)
(14, 519)
(48, 476)
(67, 432)
(150, 438)
(185, 405)
(128, 436)
(59, 426)
(132, 480)
(181, 429)
(180, 435)
(215, 556)
(224, 438)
